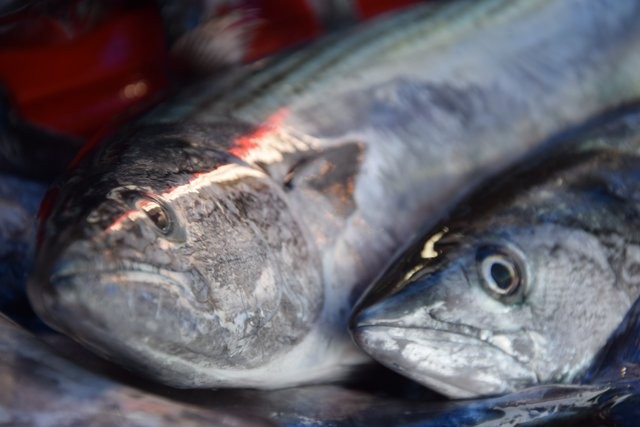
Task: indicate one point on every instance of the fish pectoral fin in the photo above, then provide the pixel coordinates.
(331, 173)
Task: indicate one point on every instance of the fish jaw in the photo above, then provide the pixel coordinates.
(439, 359)
(139, 315)
(103, 307)
(120, 317)
(130, 316)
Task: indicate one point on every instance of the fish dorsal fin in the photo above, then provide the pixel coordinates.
(620, 357)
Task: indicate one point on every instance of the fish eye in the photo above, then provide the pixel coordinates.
(501, 273)
(157, 213)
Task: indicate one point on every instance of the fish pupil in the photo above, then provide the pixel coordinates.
(157, 215)
(158, 218)
(501, 275)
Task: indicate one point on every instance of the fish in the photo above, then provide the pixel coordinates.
(527, 280)
(40, 388)
(223, 239)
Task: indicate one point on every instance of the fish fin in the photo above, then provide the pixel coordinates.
(330, 173)
(620, 357)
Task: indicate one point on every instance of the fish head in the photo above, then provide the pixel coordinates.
(506, 307)
(178, 260)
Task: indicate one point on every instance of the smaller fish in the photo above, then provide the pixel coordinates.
(527, 281)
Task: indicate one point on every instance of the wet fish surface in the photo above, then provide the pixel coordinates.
(222, 240)
(527, 282)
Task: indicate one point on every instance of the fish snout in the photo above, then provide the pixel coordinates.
(378, 328)
(52, 285)
(100, 302)
(43, 295)
(405, 307)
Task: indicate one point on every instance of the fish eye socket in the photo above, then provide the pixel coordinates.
(157, 213)
(501, 274)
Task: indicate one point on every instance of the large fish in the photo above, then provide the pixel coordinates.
(526, 283)
(223, 239)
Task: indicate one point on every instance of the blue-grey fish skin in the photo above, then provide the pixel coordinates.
(526, 283)
(222, 240)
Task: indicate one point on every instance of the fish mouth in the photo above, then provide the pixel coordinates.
(467, 332)
(69, 273)
(84, 289)
(453, 362)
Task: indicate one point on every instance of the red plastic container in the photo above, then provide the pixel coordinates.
(74, 84)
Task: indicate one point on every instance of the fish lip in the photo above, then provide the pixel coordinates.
(394, 326)
(135, 271)
(88, 324)
(71, 270)
(446, 385)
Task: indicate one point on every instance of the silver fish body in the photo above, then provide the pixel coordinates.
(527, 283)
(223, 239)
